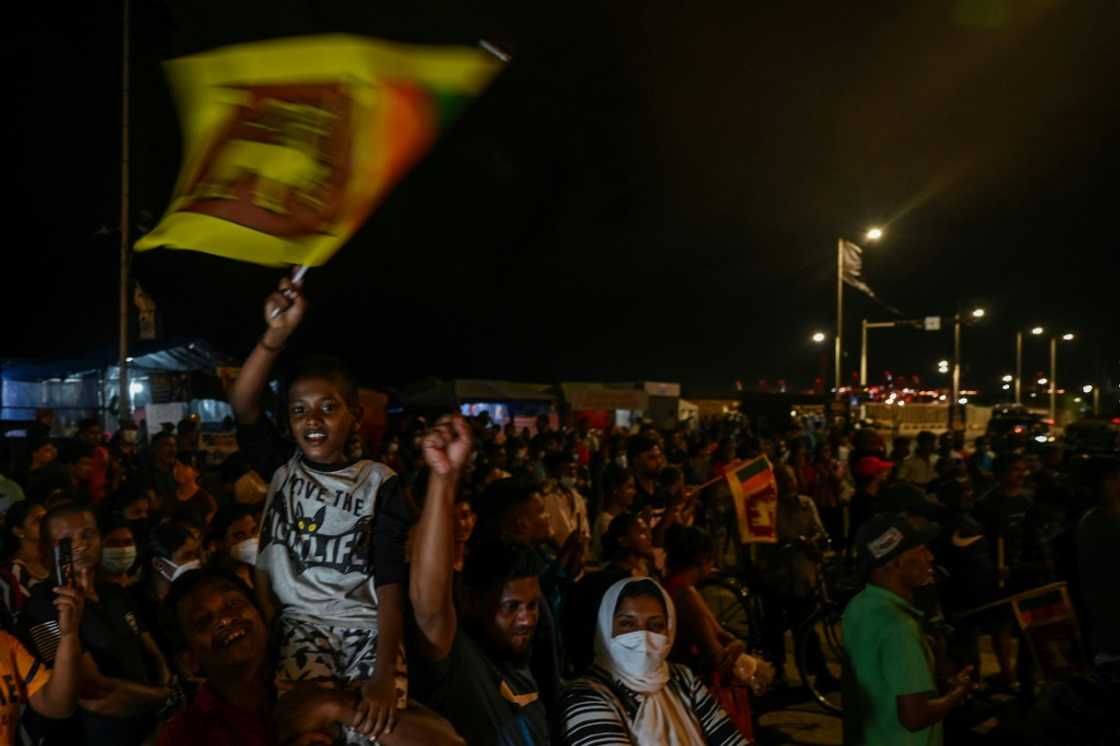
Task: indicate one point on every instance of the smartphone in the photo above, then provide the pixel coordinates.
(64, 563)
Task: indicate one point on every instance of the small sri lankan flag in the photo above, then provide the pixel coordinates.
(290, 143)
(755, 495)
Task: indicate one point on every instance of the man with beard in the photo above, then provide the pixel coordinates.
(476, 674)
(219, 633)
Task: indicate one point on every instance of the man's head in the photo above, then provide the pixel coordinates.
(672, 479)
(513, 509)
(785, 480)
(323, 408)
(627, 536)
(79, 525)
(618, 486)
(894, 551)
(689, 548)
(926, 442)
(872, 469)
(234, 524)
(465, 518)
(643, 454)
(502, 595)
(90, 432)
(164, 450)
(213, 621)
(1011, 472)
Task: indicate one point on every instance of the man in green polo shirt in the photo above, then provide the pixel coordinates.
(891, 696)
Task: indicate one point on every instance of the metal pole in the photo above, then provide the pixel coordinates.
(124, 408)
(1054, 379)
(1096, 401)
(956, 370)
(863, 354)
(839, 312)
(1019, 367)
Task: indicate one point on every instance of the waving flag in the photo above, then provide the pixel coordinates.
(755, 495)
(853, 274)
(289, 144)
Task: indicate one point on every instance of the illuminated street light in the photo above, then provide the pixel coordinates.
(978, 313)
(963, 400)
(1087, 389)
(1007, 387)
(873, 234)
(1067, 337)
(1037, 331)
(819, 337)
(943, 364)
(1008, 379)
(1043, 381)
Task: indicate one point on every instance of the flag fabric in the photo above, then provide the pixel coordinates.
(853, 273)
(755, 495)
(289, 144)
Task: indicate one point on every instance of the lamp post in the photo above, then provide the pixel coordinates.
(1036, 331)
(1067, 337)
(954, 400)
(873, 234)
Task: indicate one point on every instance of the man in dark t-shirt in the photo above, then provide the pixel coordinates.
(124, 671)
(475, 673)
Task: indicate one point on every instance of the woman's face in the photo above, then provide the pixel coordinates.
(31, 524)
(638, 614)
(464, 522)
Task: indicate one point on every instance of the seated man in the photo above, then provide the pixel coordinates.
(891, 695)
(476, 673)
(218, 631)
(124, 678)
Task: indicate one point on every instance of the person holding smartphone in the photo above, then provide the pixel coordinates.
(124, 679)
(52, 694)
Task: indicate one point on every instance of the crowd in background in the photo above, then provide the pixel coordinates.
(610, 642)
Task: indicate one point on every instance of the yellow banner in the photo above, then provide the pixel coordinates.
(290, 143)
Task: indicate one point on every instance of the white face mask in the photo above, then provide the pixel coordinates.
(245, 551)
(117, 560)
(170, 571)
(640, 653)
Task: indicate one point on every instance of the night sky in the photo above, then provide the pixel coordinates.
(649, 191)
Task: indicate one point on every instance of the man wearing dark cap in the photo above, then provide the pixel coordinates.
(892, 697)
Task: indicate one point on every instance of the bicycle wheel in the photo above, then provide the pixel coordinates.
(730, 602)
(827, 623)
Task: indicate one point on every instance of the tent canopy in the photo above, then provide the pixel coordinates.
(181, 355)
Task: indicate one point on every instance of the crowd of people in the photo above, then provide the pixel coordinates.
(472, 583)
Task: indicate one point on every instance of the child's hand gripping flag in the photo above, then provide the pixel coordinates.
(290, 143)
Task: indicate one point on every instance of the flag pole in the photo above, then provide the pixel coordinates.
(123, 404)
(839, 312)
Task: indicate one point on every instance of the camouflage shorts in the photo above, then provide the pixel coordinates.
(336, 657)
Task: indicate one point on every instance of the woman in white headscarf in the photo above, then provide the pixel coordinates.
(632, 695)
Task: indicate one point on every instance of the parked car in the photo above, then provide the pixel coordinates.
(1093, 436)
(1015, 427)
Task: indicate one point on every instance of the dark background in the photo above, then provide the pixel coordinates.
(649, 191)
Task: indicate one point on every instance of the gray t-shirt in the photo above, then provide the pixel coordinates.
(329, 535)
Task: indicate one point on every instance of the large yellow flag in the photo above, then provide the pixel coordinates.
(290, 143)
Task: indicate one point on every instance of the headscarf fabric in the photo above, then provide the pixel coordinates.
(637, 660)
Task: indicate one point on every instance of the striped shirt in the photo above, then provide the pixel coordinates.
(598, 710)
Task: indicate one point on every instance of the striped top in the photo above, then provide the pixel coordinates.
(597, 710)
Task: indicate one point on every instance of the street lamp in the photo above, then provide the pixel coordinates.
(976, 314)
(1008, 378)
(1087, 389)
(874, 233)
(1067, 337)
(1036, 331)
(819, 337)
(1043, 381)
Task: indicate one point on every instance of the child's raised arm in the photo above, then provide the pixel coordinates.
(283, 310)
